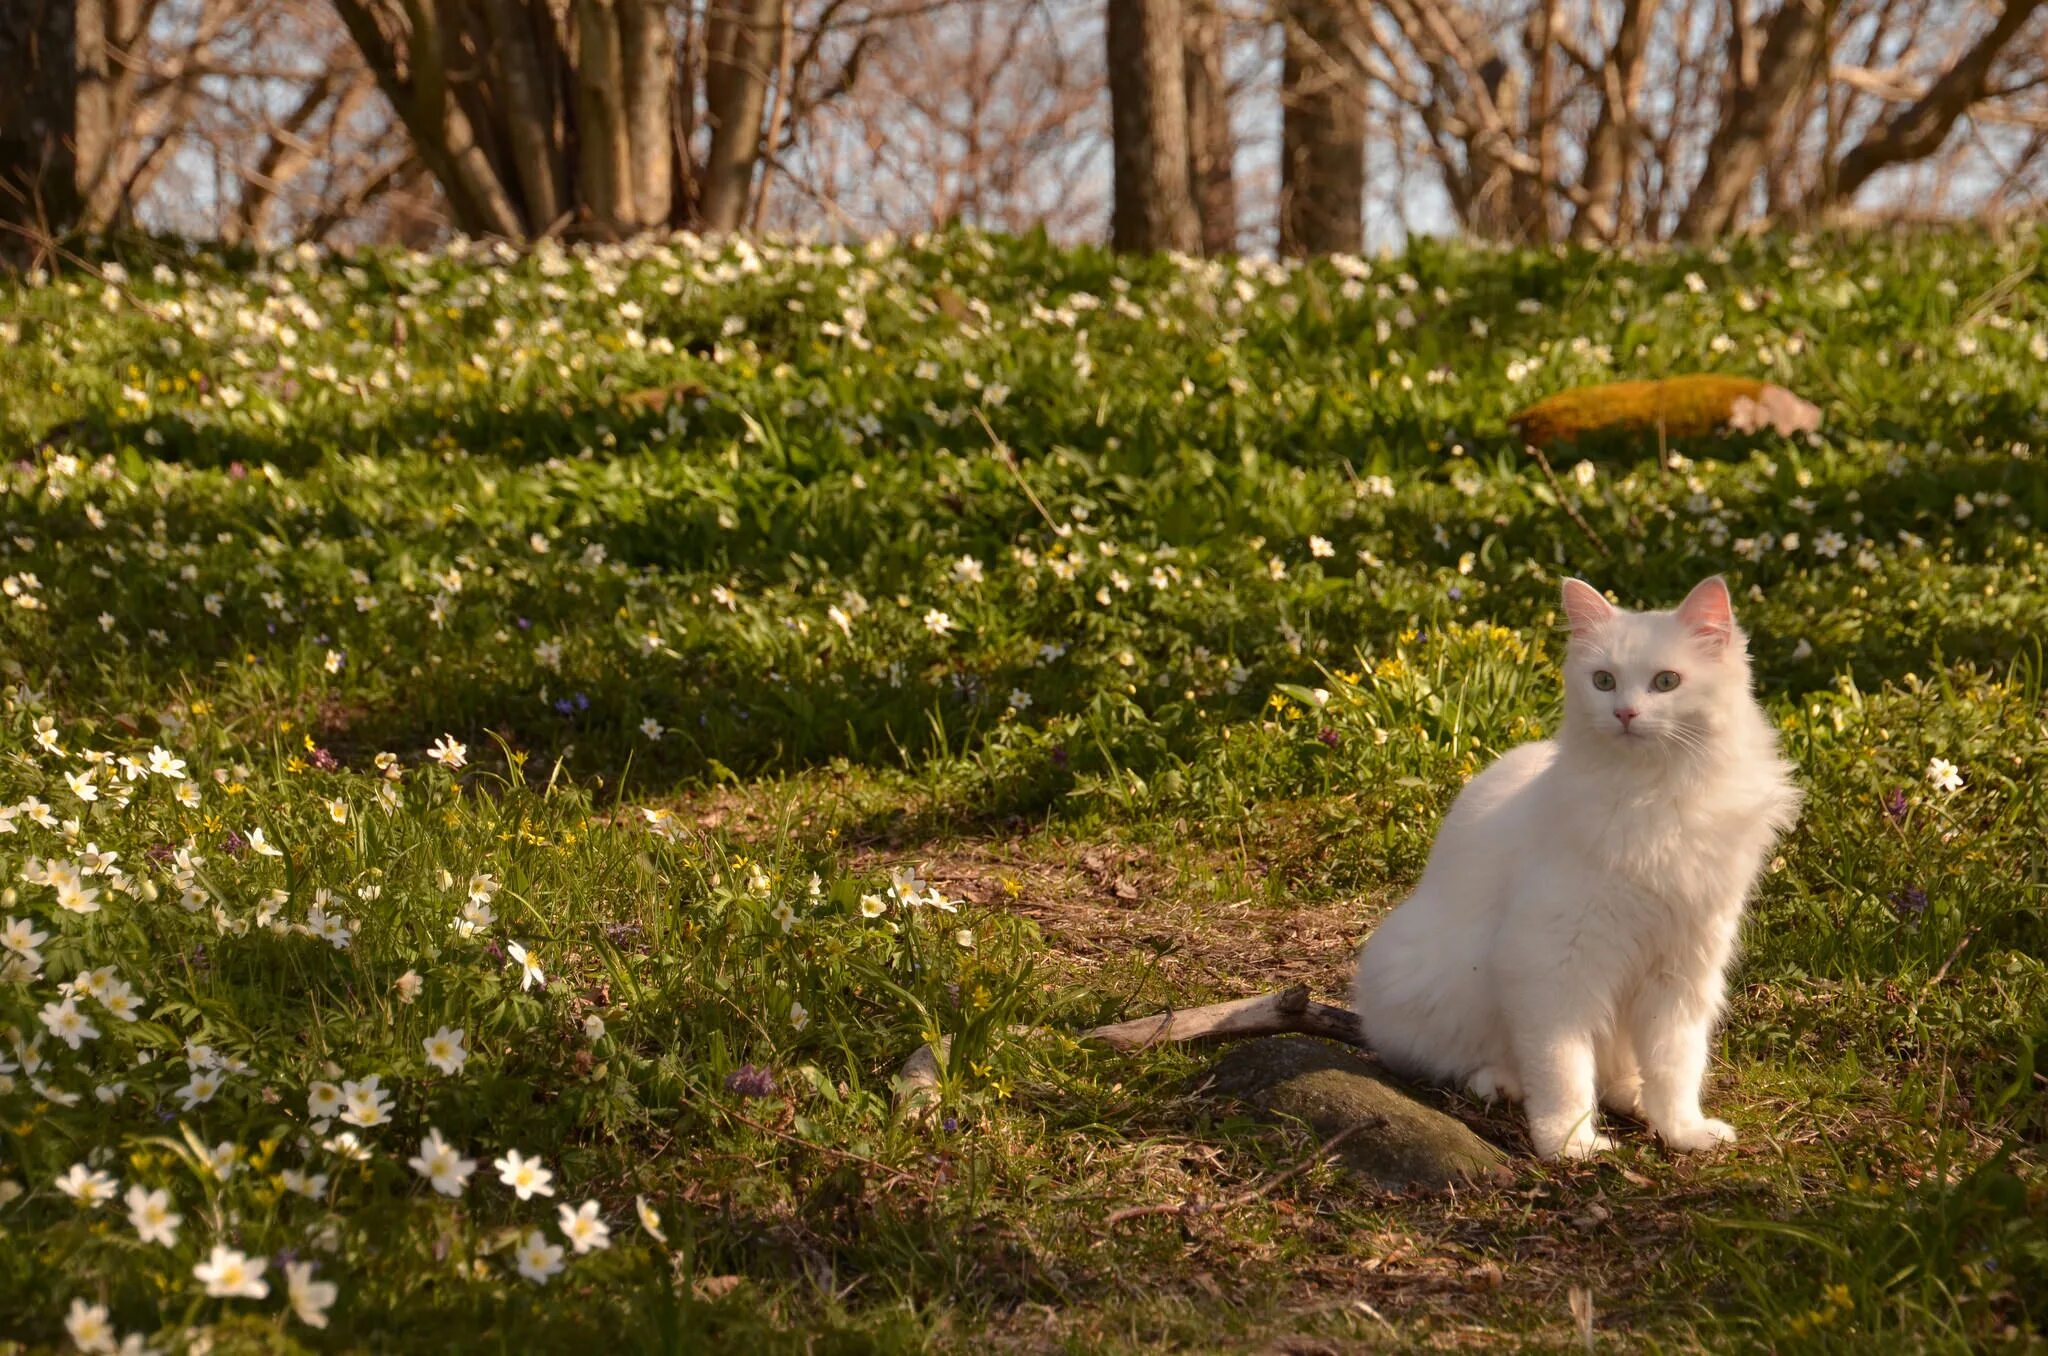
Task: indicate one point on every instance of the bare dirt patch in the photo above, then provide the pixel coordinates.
(1098, 903)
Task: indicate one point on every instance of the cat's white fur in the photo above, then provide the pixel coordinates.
(1568, 942)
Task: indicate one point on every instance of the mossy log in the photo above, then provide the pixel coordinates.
(1676, 408)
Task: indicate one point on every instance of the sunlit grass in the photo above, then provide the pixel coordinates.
(1160, 605)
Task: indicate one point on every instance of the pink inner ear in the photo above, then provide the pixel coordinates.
(1707, 611)
(1584, 607)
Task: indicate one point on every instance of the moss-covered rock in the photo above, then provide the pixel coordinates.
(1405, 1143)
(1702, 405)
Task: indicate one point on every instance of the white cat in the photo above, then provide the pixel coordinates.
(1568, 942)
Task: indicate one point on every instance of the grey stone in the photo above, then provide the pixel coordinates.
(1405, 1143)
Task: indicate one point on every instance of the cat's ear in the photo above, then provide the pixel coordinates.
(1585, 608)
(1708, 614)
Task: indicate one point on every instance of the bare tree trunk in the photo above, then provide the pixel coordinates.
(741, 37)
(1212, 148)
(526, 50)
(106, 32)
(1757, 112)
(1608, 150)
(1919, 130)
(604, 151)
(1153, 209)
(1322, 135)
(650, 61)
(108, 172)
(780, 99)
(416, 83)
(38, 114)
(1533, 192)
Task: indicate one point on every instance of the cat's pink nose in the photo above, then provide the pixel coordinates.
(1624, 714)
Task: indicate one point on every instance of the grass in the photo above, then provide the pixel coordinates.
(1154, 613)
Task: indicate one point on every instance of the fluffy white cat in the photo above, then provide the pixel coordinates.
(1568, 942)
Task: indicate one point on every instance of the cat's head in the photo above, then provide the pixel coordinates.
(1653, 682)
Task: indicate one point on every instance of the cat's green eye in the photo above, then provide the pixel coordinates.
(1665, 681)
(1603, 680)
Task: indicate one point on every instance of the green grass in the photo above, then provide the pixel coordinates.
(1163, 676)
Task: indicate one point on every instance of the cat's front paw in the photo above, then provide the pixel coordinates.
(1579, 1141)
(1585, 1146)
(1698, 1136)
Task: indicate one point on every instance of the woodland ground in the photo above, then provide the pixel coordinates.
(714, 569)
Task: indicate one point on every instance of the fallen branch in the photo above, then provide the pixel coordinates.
(1286, 1012)
(1564, 502)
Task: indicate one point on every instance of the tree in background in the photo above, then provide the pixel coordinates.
(1520, 121)
(991, 113)
(1531, 115)
(1212, 145)
(1766, 81)
(537, 119)
(1323, 129)
(220, 111)
(1154, 208)
(38, 120)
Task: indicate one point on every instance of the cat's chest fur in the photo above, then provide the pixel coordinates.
(1693, 846)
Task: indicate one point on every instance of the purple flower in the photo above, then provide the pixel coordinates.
(563, 706)
(1895, 806)
(525, 624)
(1909, 903)
(161, 853)
(751, 1080)
(1059, 755)
(1456, 593)
(324, 761)
(494, 951)
(951, 1123)
(233, 844)
(1328, 737)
